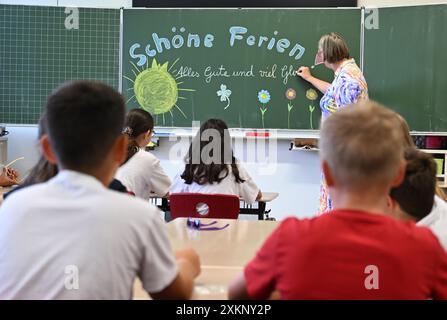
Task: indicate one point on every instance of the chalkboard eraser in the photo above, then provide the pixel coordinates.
(257, 134)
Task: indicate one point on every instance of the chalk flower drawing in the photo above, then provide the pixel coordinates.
(264, 98)
(155, 89)
(224, 94)
(290, 95)
(312, 95)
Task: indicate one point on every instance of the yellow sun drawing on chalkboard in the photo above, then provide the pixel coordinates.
(156, 90)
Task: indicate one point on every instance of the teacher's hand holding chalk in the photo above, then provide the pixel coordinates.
(304, 72)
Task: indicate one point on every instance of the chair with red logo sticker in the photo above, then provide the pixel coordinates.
(200, 205)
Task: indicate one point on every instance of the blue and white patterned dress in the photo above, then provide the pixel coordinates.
(349, 85)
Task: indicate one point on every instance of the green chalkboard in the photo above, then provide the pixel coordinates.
(38, 53)
(182, 65)
(405, 64)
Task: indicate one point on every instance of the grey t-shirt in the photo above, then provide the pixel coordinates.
(71, 238)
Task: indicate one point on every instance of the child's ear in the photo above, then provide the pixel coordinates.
(47, 150)
(392, 206)
(327, 173)
(390, 202)
(395, 210)
(400, 176)
(120, 149)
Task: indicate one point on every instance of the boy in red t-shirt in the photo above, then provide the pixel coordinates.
(356, 251)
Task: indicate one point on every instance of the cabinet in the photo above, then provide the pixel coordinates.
(3, 150)
(440, 154)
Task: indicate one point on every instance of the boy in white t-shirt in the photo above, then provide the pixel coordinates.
(142, 173)
(415, 198)
(71, 237)
(212, 168)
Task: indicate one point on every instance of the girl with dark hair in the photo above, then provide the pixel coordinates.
(142, 173)
(212, 168)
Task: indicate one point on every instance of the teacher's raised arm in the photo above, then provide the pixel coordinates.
(348, 85)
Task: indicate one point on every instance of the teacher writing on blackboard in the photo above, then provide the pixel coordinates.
(348, 86)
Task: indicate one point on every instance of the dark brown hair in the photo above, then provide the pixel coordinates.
(207, 172)
(84, 119)
(409, 142)
(137, 122)
(334, 47)
(416, 193)
(41, 172)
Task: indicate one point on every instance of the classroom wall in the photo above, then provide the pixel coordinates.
(297, 176)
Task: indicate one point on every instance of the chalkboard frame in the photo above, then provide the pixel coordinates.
(243, 3)
(282, 133)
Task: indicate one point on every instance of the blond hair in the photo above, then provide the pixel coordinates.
(333, 47)
(362, 145)
(407, 140)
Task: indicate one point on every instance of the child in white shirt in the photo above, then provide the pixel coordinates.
(71, 237)
(436, 220)
(142, 173)
(214, 170)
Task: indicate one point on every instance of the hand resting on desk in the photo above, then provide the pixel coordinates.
(183, 285)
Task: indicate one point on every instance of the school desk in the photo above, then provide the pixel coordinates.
(223, 253)
(260, 209)
(252, 209)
